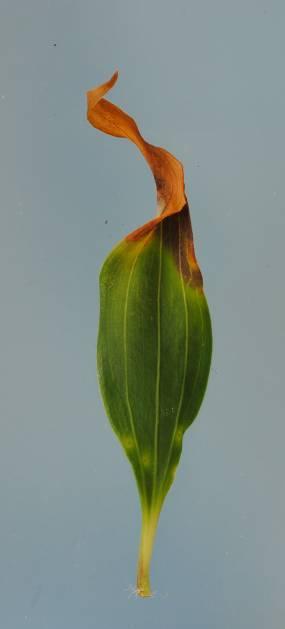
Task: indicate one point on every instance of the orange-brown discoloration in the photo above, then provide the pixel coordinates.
(167, 170)
(169, 178)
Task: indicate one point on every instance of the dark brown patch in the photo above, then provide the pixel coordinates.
(178, 237)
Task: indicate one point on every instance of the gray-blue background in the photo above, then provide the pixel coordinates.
(204, 79)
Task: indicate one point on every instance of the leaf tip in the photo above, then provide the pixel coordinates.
(96, 93)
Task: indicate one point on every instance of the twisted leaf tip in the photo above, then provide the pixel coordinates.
(167, 171)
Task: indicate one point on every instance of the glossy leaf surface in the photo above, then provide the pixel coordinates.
(154, 342)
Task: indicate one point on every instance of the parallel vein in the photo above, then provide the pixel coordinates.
(131, 417)
(186, 351)
(157, 388)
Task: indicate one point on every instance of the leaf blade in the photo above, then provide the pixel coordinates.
(155, 339)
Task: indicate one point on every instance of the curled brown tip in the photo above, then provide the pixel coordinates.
(166, 169)
(168, 174)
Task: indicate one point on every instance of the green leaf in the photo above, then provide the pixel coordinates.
(155, 341)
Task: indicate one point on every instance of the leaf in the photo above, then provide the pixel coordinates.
(154, 342)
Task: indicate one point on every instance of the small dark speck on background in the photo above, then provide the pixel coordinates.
(106, 222)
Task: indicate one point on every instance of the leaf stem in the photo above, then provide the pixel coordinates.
(148, 531)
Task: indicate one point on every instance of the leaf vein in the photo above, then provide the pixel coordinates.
(130, 412)
(176, 422)
(157, 388)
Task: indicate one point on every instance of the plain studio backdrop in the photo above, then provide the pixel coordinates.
(205, 80)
